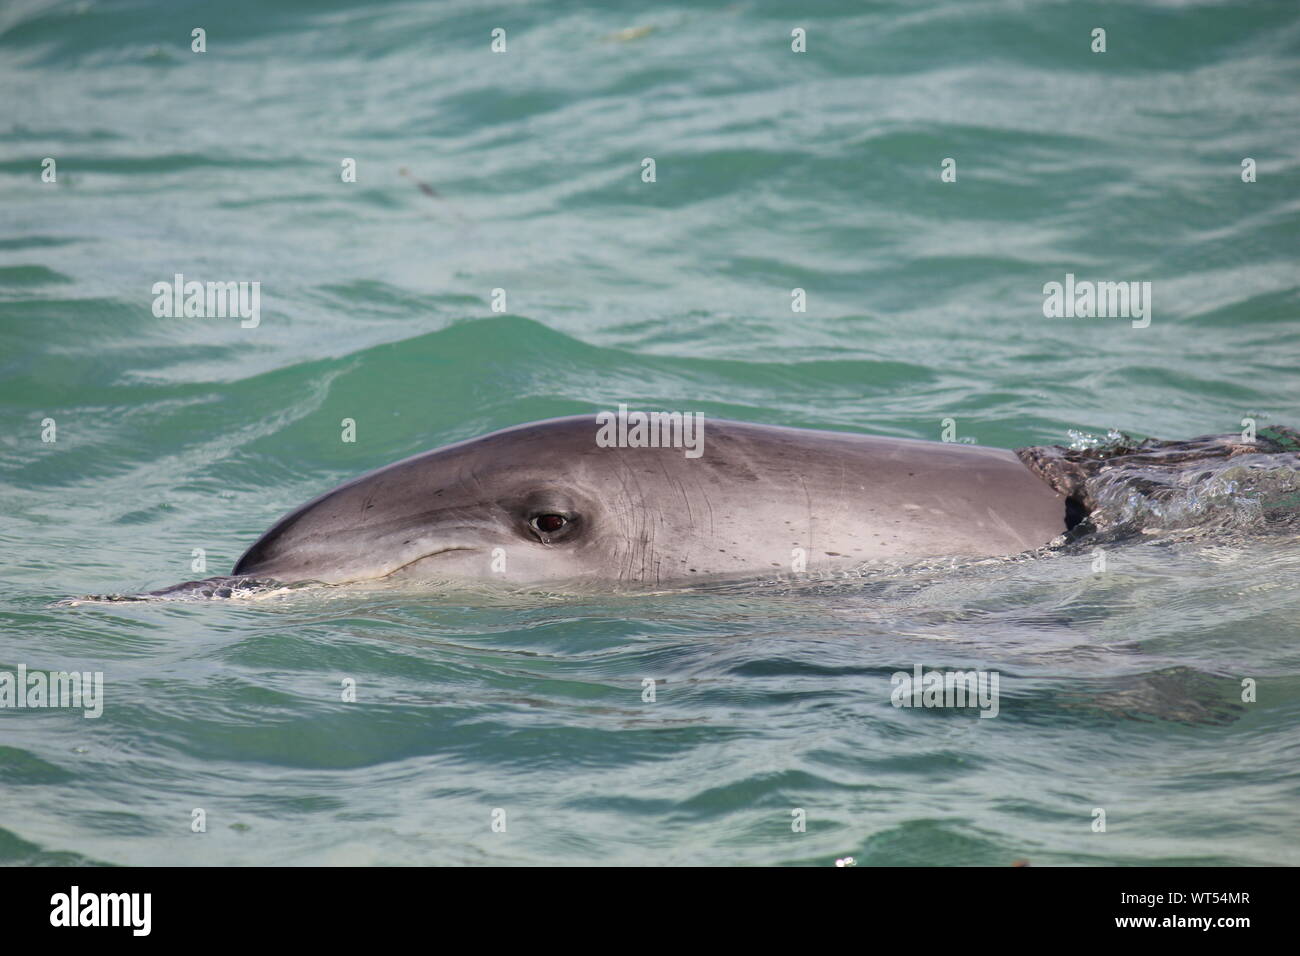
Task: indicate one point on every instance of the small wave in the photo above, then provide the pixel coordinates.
(205, 590)
(1217, 482)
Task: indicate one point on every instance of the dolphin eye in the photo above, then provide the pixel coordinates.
(547, 517)
(549, 523)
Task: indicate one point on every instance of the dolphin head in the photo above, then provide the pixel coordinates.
(523, 505)
(556, 504)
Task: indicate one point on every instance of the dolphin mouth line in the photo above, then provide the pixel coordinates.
(431, 554)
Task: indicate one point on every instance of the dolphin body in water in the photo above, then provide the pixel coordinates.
(545, 503)
(549, 504)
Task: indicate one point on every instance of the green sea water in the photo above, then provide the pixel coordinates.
(774, 170)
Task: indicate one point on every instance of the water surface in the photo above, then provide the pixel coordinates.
(1120, 689)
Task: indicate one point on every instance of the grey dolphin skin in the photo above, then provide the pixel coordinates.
(545, 503)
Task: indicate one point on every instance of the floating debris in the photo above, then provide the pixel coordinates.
(631, 33)
(424, 187)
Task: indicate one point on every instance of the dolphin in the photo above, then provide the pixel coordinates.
(550, 503)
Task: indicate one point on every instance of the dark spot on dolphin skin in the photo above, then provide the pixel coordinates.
(832, 554)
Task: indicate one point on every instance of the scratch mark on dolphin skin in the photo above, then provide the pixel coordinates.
(1004, 526)
(679, 488)
(631, 518)
(844, 498)
(648, 548)
(808, 499)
